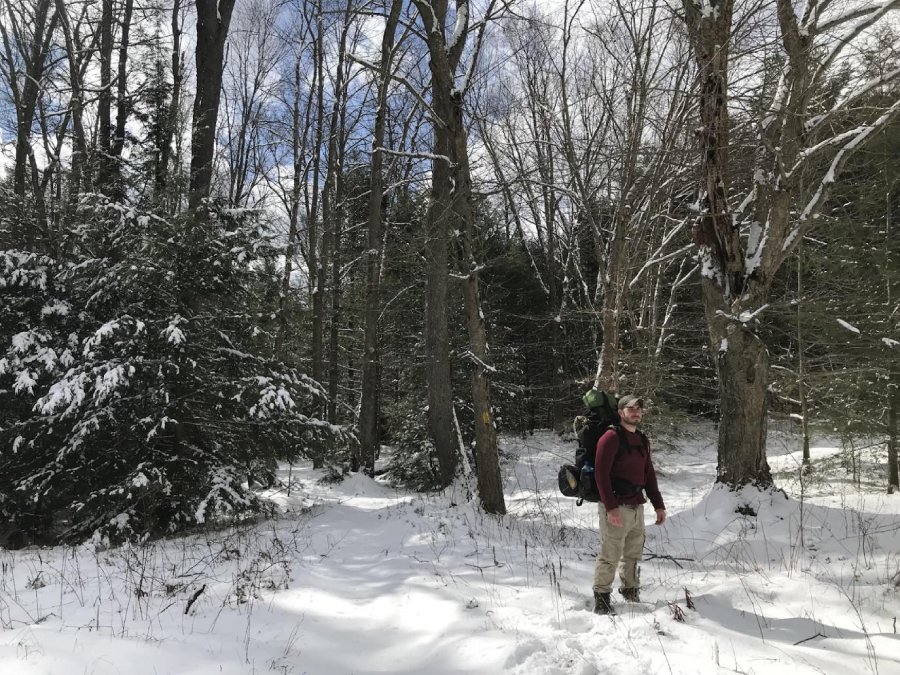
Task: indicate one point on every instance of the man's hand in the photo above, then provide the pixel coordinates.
(660, 516)
(614, 517)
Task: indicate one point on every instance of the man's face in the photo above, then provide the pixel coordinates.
(631, 414)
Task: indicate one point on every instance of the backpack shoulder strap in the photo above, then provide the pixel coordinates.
(623, 440)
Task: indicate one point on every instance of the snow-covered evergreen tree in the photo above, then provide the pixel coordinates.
(135, 387)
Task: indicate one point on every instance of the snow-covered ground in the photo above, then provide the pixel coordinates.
(361, 578)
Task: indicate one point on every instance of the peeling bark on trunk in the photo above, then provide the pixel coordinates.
(741, 359)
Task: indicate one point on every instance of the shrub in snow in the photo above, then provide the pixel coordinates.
(135, 389)
(413, 461)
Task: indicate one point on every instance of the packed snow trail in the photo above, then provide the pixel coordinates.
(357, 577)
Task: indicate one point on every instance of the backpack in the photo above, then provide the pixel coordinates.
(578, 480)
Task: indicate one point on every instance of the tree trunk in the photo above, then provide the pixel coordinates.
(801, 364)
(742, 362)
(893, 439)
(452, 195)
(77, 63)
(122, 103)
(25, 98)
(298, 152)
(334, 365)
(437, 343)
(368, 407)
(490, 484)
(213, 19)
(437, 347)
(165, 150)
(331, 209)
(607, 377)
(741, 358)
(317, 250)
(104, 98)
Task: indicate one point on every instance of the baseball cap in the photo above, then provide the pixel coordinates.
(629, 401)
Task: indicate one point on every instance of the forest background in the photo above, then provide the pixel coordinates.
(238, 233)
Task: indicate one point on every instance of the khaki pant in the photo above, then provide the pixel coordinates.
(623, 545)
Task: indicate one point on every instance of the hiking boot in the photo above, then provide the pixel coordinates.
(631, 594)
(602, 604)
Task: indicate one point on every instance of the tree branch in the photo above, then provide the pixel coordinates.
(406, 83)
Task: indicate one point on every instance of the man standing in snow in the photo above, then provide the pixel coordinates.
(623, 470)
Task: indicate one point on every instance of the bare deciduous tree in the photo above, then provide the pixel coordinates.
(368, 414)
(795, 134)
(451, 208)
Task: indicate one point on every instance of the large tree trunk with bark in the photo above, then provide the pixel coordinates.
(437, 343)
(437, 340)
(213, 19)
(741, 358)
(742, 361)
(490, 485)
(893, 430)
(104, 98)
(452, 209)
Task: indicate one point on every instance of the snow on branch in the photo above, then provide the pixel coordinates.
(744, 317)
(462, 24)
(853, 33)
(848, 326)
(707, 8)
(806, 153)
(481, 364)
(815, 202)
(852, 15)
(405, 82)
(858, 92)
(778, 100)
(479, 39)
(417, 155)
(656, 261)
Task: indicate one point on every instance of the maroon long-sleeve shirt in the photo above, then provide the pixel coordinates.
(631, 465)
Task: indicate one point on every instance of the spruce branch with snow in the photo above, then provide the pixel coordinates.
(128, 412)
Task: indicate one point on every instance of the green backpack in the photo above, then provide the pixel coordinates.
(578, 480)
